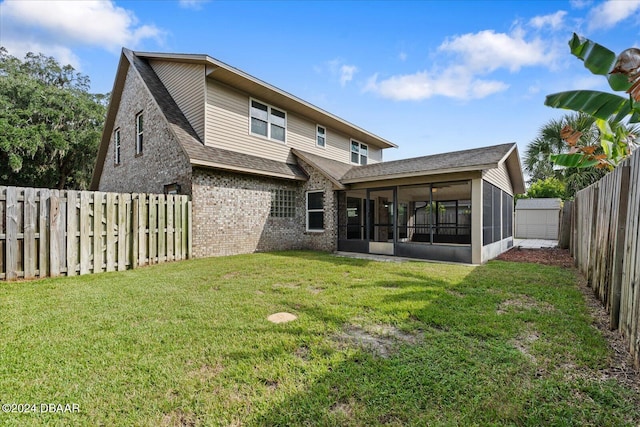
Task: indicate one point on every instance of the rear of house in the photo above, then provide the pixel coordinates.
(269, 171)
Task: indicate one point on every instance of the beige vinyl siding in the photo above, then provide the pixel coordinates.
(227, 127)
(227, 124)
(499, 177)
(186, 84)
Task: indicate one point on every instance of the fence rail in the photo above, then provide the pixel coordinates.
(605, 243)
(51, 233)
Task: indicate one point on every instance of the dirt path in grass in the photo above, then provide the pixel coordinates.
(620, 365)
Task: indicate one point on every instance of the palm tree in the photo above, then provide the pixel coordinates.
(536, 158)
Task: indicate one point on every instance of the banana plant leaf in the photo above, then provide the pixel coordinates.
(601, 105)
(575, 160)
(599, 60)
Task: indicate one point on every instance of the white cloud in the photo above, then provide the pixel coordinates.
(192, 4)
(454, 83)
(554, 20)
(609, 13)
(487, 50)
(346, 73)
(56, 27)
(402, 56)
(580, 4)
(473, 56)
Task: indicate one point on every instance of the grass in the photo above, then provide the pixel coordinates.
(374, 344)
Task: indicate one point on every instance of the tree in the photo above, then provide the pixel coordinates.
(550, 142)
(549, 187)
(50, 125)
(610, 111)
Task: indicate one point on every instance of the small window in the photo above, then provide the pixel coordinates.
(172, 188)
(139, 133)
(116, 147)
(283, 203)
(315, 211)
(268, 121)
(359, 153)
(321, 136)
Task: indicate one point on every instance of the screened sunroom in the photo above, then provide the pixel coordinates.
(447, 207)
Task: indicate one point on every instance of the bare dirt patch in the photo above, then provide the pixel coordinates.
(523, 303)
(380, 340)
(620, 363)
(524, 342)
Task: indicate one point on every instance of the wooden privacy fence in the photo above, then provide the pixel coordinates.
(605, 243)
(50, 233)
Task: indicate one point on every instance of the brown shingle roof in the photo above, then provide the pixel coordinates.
(198, 153)
(332, 169)
(473, 159)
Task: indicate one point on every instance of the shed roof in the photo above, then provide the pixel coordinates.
(539, 204)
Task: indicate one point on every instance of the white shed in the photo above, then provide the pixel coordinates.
(538, 218)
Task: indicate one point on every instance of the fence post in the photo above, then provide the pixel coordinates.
(616, 283)
(43, 228)
(72, 233)
(29, 233)
(11, 247)
(593, 247)
(56, 235)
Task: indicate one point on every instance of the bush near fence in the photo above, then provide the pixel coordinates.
(605, 243)
(50, 233)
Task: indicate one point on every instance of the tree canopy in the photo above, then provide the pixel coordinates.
(50, 125)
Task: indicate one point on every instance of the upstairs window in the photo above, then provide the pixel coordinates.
(116, 147)
(139, 133)
(321, 136)
(359, 153)
(268, 121)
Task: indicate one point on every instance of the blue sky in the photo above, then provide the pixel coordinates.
(430, 76)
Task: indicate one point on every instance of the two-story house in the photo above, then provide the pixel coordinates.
(269, 171)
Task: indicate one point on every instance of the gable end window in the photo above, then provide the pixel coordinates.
(116, 147)
(359, 153)
(315, 211)
(321, 136)
(267, 121)
(139, 133)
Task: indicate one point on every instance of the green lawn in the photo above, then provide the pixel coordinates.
(375, 343)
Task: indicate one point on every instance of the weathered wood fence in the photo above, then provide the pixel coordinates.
(605, 244)
(51, 233)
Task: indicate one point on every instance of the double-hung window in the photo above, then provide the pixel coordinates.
(139, 133)
(321, 136)
(315, 211)
(268, 121)
(116, 147)
(359, 153)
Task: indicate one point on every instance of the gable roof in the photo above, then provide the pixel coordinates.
(197, 153)
(475, 159)
(236, 78)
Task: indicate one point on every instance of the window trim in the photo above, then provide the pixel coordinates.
(117, 147)
(360, 156)
(269, 122)
(324, 136)
(139, 133)
(308, 211)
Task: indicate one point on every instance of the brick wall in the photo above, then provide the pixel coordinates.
(231, 214)
(162, 160)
